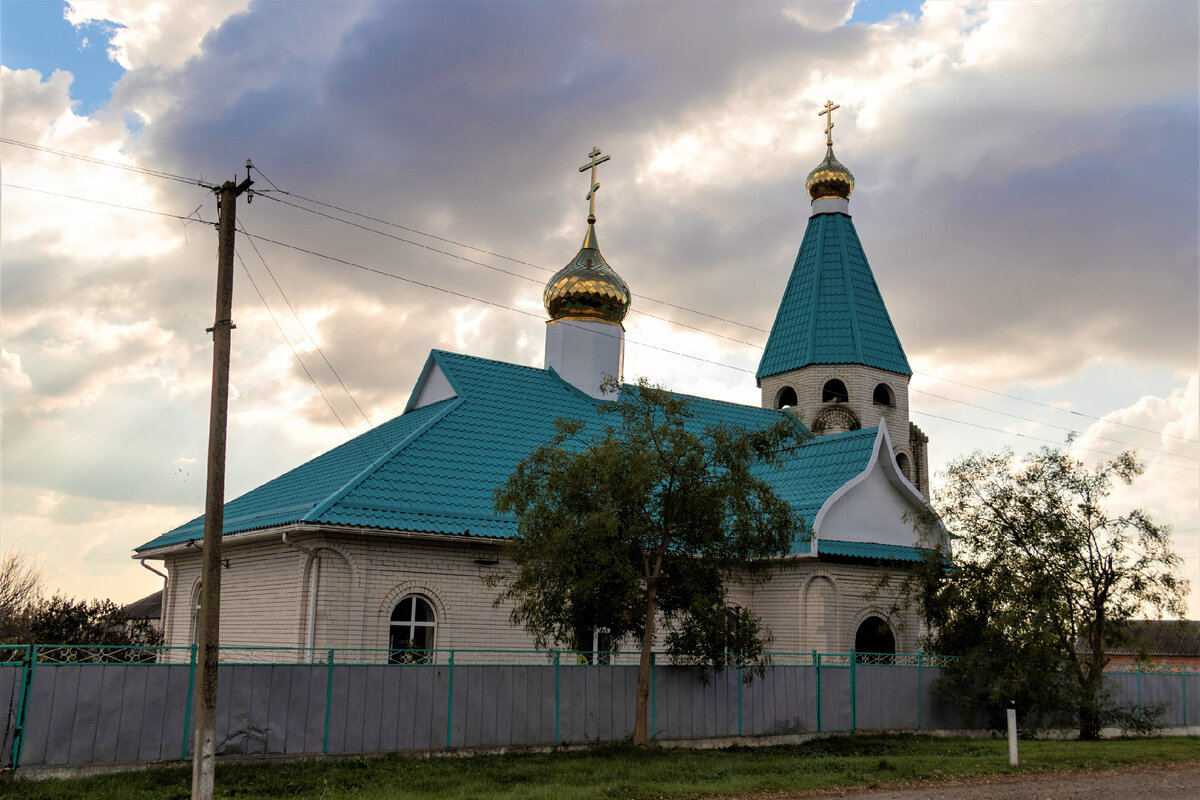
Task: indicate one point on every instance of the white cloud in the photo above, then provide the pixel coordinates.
(154, 33)
(821, 16)
(1168, 489)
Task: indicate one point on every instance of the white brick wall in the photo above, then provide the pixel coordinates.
(363, 576)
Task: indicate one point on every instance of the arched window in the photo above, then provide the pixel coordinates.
(835, 392)
(412, 632)
(786, 398)
(874, 642)
(904, 464)
(883, 395)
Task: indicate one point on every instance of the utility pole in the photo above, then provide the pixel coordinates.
(204, 716)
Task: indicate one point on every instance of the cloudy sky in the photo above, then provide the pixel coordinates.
(1026, 192)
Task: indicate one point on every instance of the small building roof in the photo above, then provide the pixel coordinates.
(149, 607)
(1163, 638)
(434, 468)
(832, 311)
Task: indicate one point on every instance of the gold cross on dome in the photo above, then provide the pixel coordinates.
(829, 107)
(591, 195)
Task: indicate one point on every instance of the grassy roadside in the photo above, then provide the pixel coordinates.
(620, 771)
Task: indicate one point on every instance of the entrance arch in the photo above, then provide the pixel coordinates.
(874, 641)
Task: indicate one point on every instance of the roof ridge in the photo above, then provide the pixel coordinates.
(468, 356)
(323, 506)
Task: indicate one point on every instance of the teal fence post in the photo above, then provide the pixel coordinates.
(853, 689)
(557, 684)
(28, 659)
(919, 655)
(653, 699)
(450, 702)
(328, 699)
(187, 712)
(817, 663)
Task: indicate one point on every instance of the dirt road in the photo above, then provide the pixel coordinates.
(1158, 784)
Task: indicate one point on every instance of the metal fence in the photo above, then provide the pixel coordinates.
(98, 705)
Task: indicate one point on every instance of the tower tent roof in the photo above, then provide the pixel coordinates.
(434, 468)
(832, 311)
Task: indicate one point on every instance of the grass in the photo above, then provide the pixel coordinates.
(621, 771)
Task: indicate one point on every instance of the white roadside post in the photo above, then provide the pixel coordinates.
(1012, 735)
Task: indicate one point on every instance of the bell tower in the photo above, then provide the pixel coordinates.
(833, 357)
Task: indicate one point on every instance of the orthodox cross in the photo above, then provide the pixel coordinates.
(829, 107)
(591, 195)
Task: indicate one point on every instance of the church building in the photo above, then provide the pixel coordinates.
(381, 545)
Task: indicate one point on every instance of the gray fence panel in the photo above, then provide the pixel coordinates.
(938, 710)
(1122, 688)
(1191, 692)
(108, 725)
(104, 713)
(885, 697)
(835, 698)
(10, 701)
(1130, 690)
(1165, 690)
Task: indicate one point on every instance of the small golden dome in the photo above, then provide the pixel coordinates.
(830, 178)
(587, 288)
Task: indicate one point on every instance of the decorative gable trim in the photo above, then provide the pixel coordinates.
(882, 458)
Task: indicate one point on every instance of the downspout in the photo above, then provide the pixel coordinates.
(162, 603)
(310, 636)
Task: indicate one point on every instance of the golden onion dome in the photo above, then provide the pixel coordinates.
(587, 288)
(830, 178)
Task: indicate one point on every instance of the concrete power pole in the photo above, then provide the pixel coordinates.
(204, 716)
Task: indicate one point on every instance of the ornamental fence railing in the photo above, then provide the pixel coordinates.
(75, 705)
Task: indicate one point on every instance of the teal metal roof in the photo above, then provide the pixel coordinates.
(434, 468)
(832, 311)
(871, 550)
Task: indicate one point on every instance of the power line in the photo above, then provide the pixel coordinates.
(1055, 408)
(291, 347)
(184, 218)
(485, 265)
(485, 252)
(521, 311)
(171, 176)
(356, 440)
(759, 347)
(1039, 439)
(475, 299)
(685, 308)
(182, 178)
(302, 326)
(153, 173)
(1049, 425)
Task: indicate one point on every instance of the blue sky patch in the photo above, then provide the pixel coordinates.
(867, 12)
(35, 35)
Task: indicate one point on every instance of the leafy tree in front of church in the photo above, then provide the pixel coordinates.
(1042, 582)
(643, 525)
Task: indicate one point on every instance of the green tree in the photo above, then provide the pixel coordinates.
(20, 590)
(28, 616)
(1042, 582)
(644, 521)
